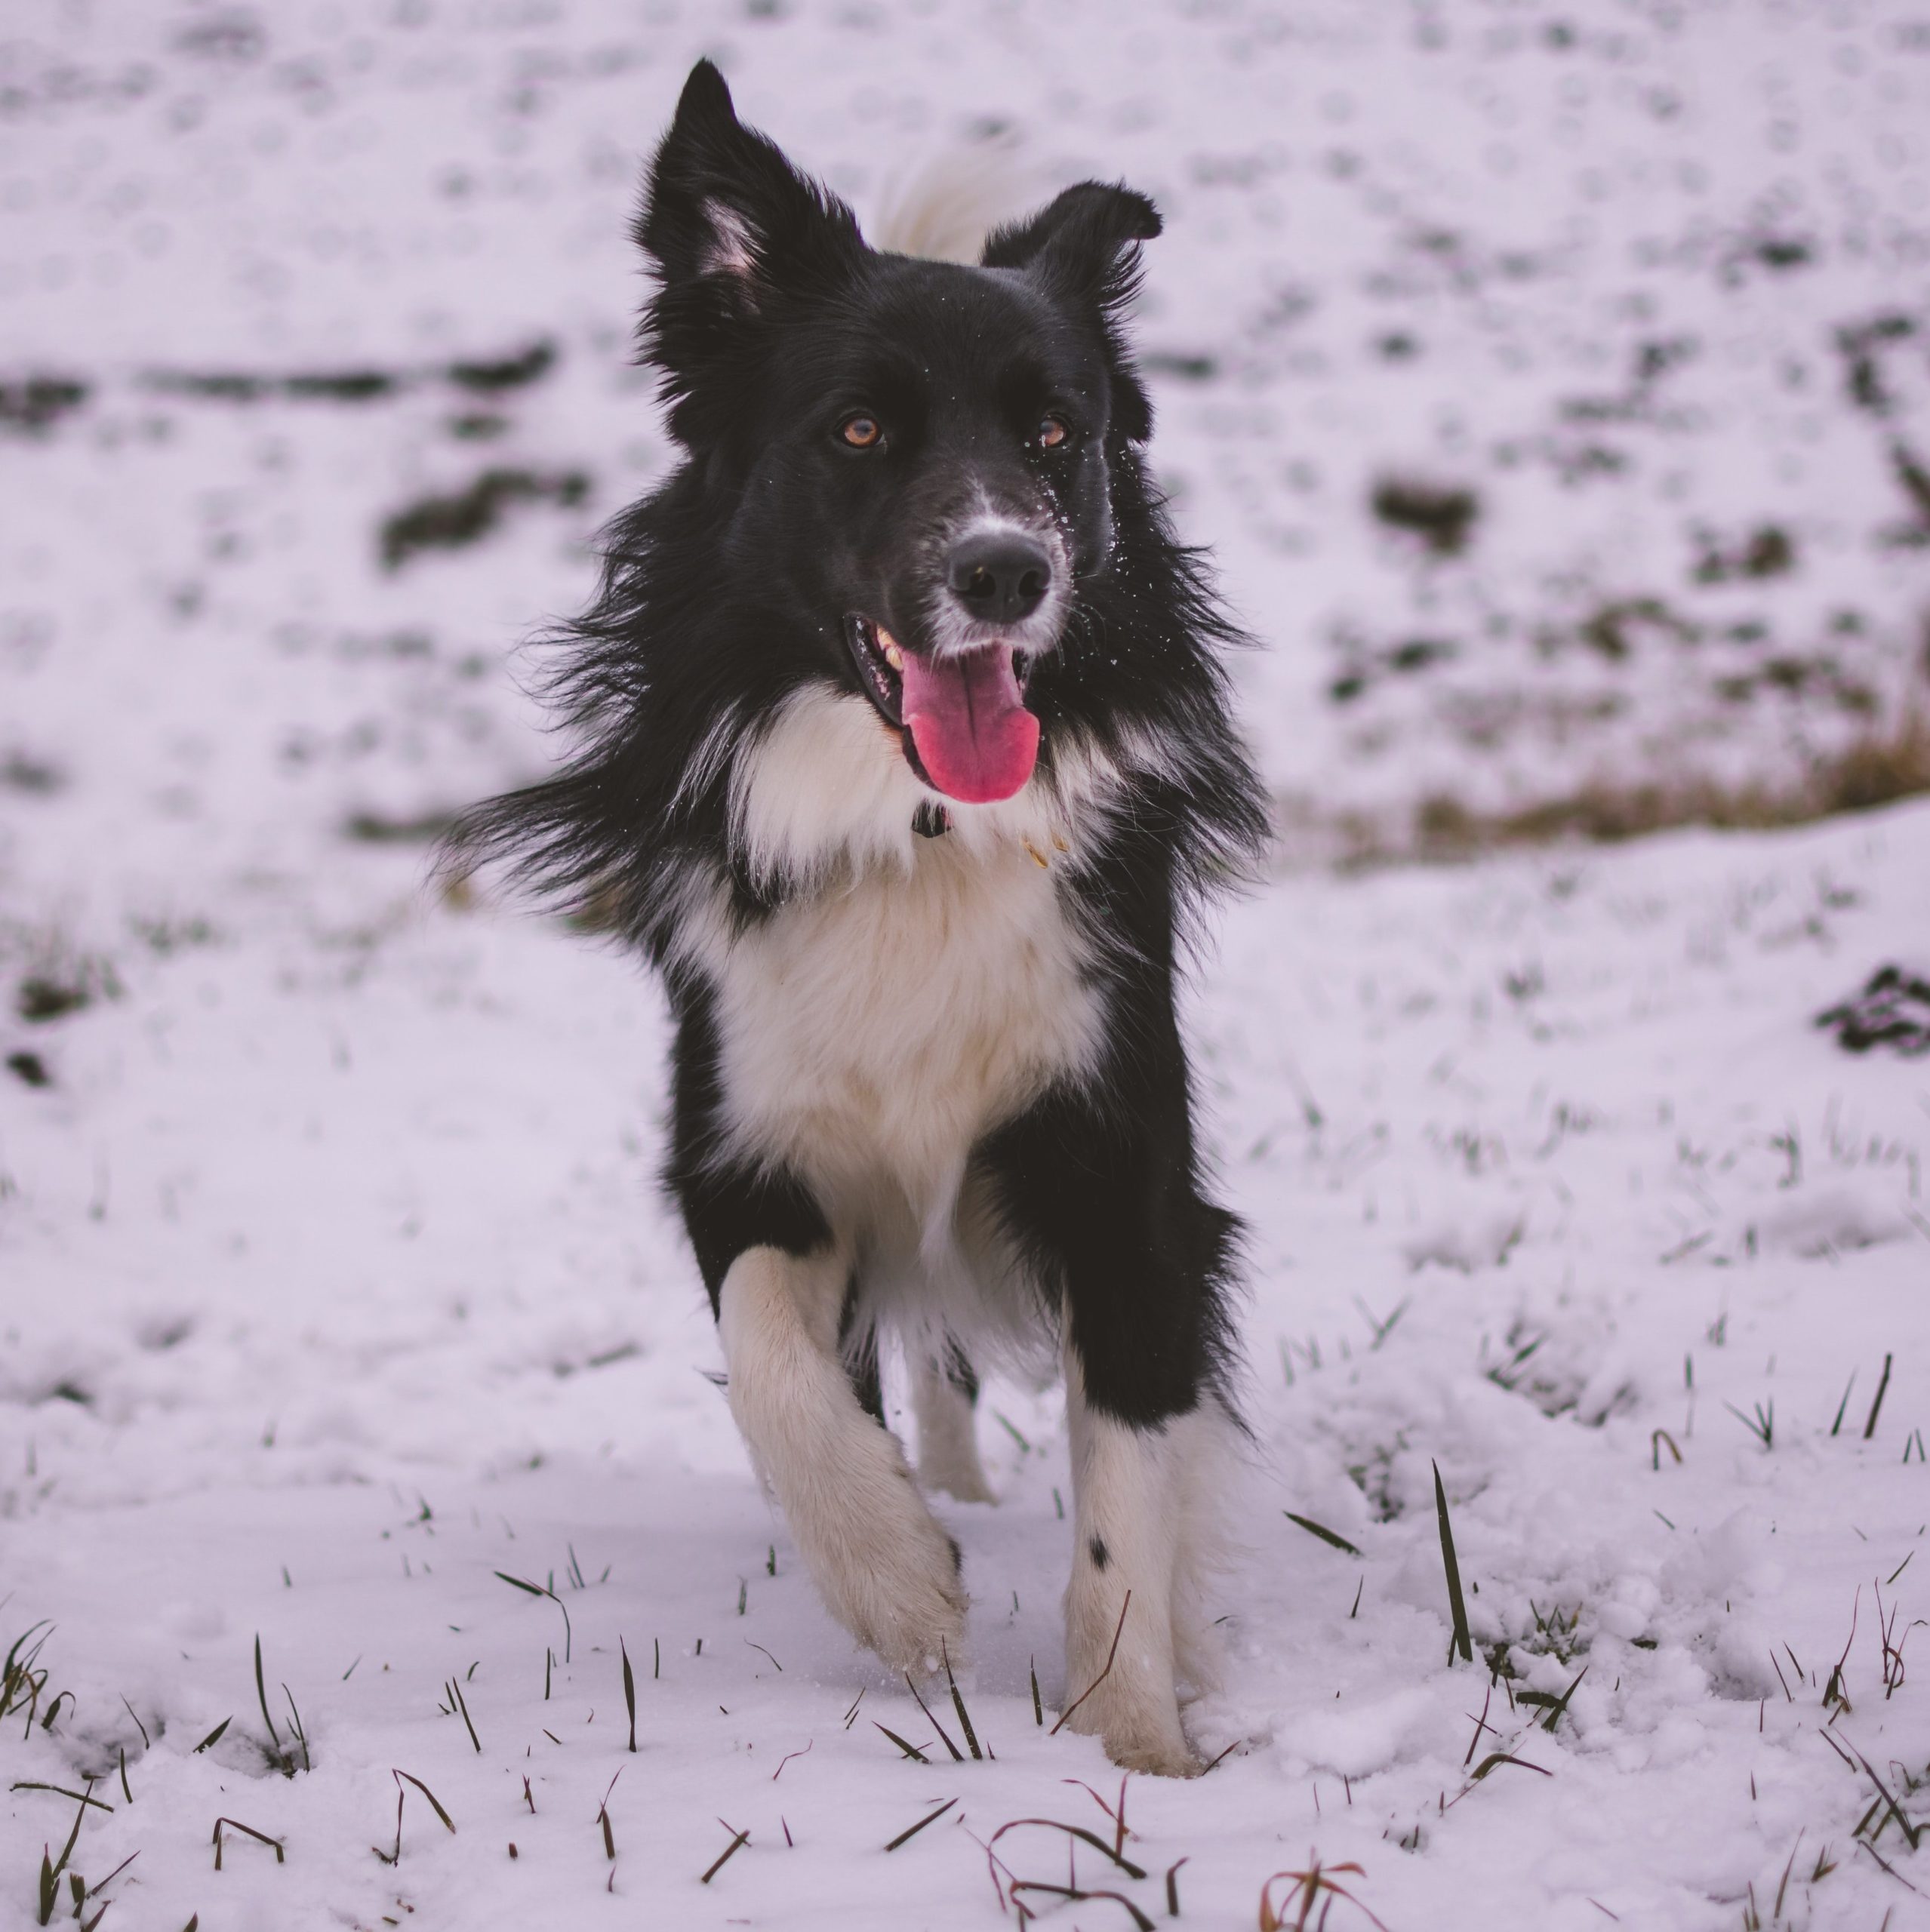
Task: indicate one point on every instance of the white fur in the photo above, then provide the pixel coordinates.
(874, 1030)
(1138, 1493)
(824, 795)
(885, 1569)
(947, 1443)
(731, 249)
(952, 628)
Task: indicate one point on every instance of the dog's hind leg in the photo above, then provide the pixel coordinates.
(945, 1397)
(884, 1567)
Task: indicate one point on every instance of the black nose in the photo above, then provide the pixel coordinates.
(1000, 577)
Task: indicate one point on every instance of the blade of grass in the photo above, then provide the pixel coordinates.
(1837, 1425)
(1493, 1757)
(629, 1691)
(958, 1703)
(29, 1784)
(261, 1693)
(539, 1590)
(435, 1803)
(281, 1857)
(724, 1857)
(462, 1705)
(1078, 1831)
(1876, 1407)
(1325, 1535)
(912, 1831)
(958, 1756)
(1461, 1644)
(1560, 1706)
(295, 1718)
(1117, 1631)
(1173, 1887)
(909, 1750)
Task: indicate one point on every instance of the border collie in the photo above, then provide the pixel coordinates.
(903, 753)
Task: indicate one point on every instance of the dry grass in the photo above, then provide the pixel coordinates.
(1877, 770)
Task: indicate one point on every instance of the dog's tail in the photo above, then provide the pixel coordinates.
(943, 211)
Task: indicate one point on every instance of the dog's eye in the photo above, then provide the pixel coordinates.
(861, 432)
(1052, 432)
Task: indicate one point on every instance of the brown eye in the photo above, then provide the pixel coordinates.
(1052, 432)
(861, 432)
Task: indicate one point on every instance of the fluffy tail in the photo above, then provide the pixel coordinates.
(944, 211)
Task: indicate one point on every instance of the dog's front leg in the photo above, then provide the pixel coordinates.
(1131, 1493)
(1098, 1189)
(884, 1568)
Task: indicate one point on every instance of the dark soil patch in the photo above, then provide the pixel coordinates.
(1442, 517)
(1893, 1009)
(36, 403)
(451, 522)
(509, 372)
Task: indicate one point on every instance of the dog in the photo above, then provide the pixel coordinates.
(902, 753)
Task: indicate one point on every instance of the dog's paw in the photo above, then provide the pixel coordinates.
(899, 1592)
(964, 1482)
(1139, 1727)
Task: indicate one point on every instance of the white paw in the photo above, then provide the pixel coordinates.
(1140, 1729)
(895, 1584)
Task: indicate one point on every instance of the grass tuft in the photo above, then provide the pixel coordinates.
(958, 1756)
(1308, 1888)
(629, 1691)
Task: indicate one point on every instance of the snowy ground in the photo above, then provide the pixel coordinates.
(332, 1287)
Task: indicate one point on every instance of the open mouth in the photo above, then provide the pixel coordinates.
(960, 717)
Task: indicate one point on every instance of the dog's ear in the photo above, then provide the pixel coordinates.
(1085, 245)
(729, 221)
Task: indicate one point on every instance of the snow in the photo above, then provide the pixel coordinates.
(332, 1286)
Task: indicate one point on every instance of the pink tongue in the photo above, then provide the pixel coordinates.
(976, 739)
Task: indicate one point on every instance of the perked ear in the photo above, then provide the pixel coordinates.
(729, 223)
(1085, 245)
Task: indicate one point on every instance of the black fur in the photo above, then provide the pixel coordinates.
(727, 589)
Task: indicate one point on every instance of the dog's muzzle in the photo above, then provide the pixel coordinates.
(961, 713)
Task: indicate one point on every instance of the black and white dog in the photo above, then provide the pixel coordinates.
(903, 754)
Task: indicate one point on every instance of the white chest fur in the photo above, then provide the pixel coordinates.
(872, 1034)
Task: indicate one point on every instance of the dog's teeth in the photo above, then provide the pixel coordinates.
(894, 655)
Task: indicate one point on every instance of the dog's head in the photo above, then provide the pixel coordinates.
(920, 455)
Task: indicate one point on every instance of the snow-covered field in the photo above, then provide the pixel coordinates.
(333, 1292)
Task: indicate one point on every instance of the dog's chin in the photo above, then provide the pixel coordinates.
(961, 716)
